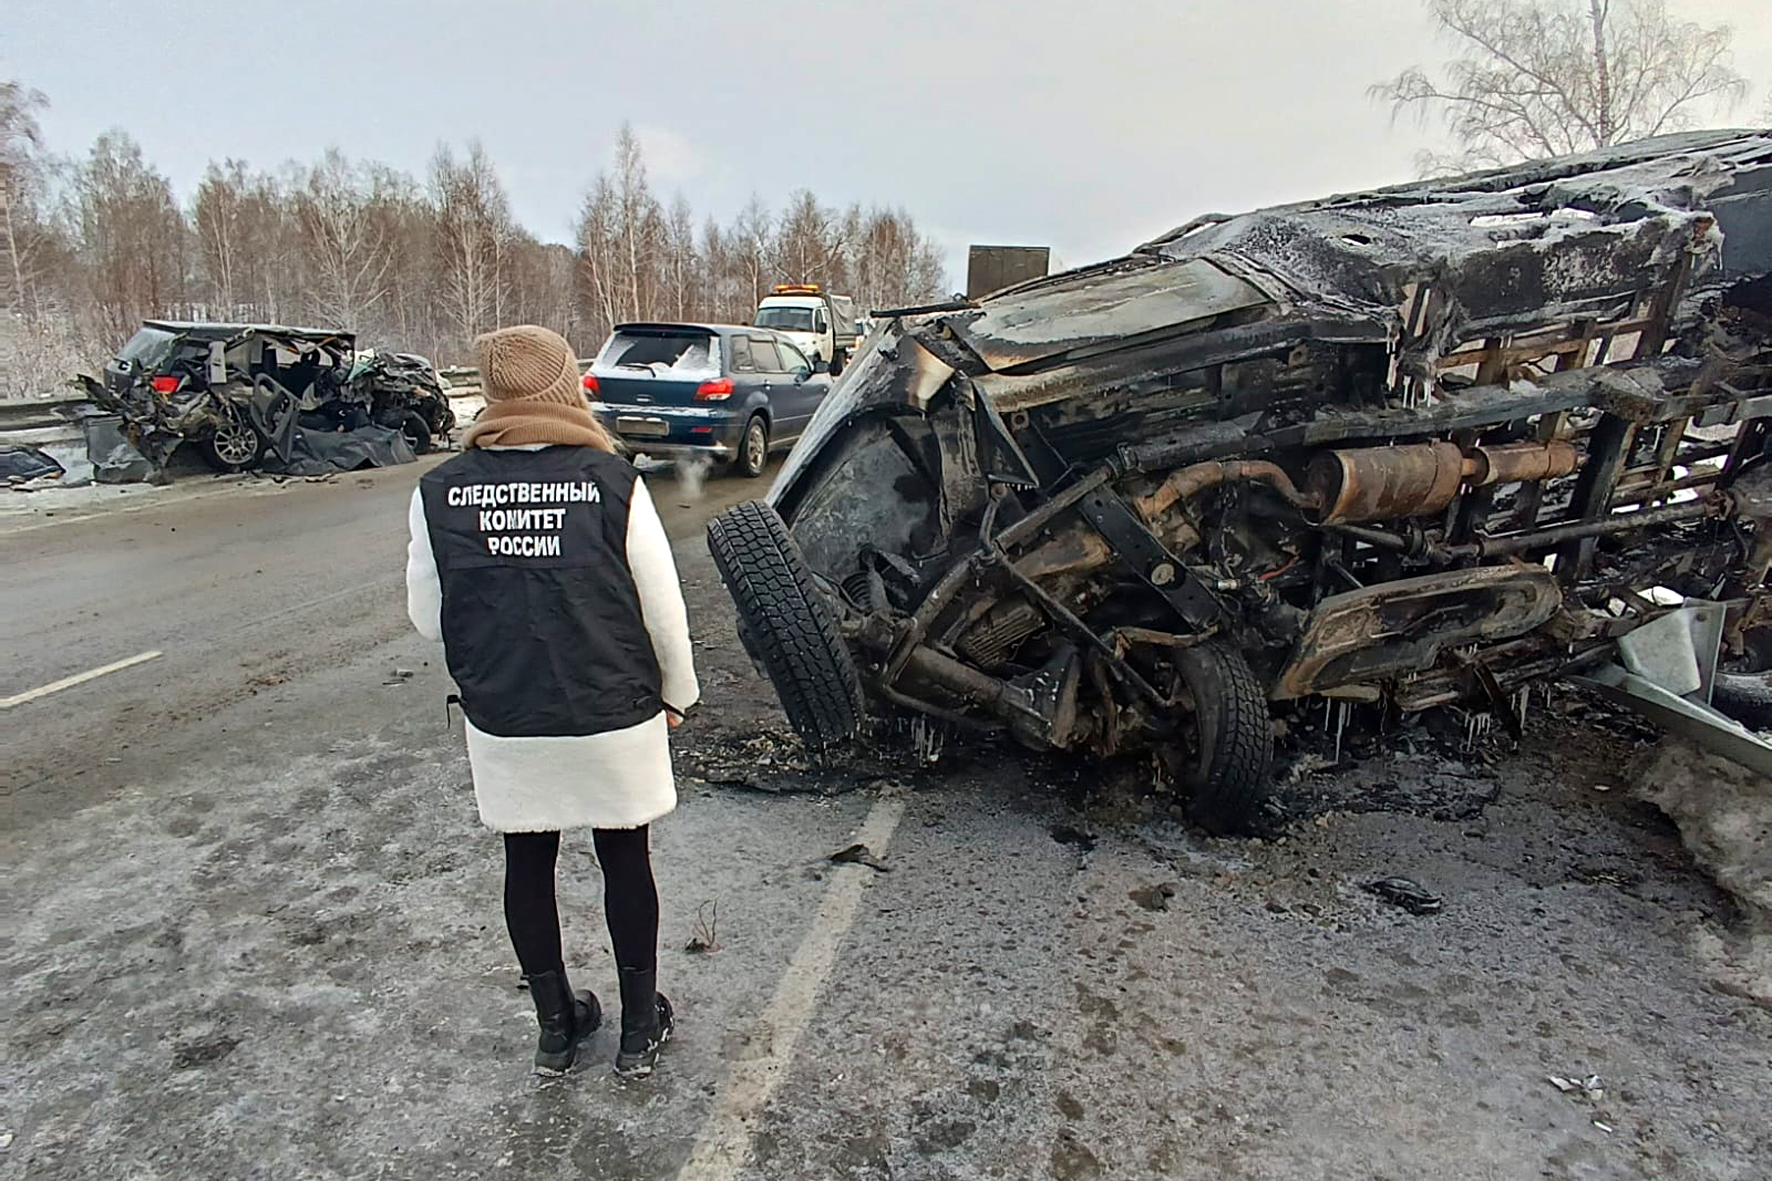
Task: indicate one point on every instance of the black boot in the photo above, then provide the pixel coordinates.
(566, 1019)
(645, 1023)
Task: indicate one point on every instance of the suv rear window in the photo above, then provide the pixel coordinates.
(662, 354)
(149, 347)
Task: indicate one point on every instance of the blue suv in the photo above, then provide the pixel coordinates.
(729, 392)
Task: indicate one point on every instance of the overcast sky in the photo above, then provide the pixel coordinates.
(1088, 125)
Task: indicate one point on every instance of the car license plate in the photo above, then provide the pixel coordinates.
(650, 428)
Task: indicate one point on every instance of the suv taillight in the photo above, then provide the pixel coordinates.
(591, 386)
(717, 390)
(165, 385)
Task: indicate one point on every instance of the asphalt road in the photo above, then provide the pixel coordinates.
(253, 928)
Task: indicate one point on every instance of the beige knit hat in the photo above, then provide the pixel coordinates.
(528, 363)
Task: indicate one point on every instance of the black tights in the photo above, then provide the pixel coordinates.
(630, 898)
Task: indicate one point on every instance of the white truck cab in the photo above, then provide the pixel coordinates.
(821, 324)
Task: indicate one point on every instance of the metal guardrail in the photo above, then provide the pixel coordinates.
(468, 375)
(21, 414)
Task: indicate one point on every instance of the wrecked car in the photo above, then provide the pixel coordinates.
(240, 392)
(1415, 447)
(403, 390)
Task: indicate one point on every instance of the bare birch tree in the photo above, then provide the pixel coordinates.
(751, 246)
(20, 142)
(637, 224)
(1536, 78)
(132, 236)
(473, 232)
(809, 244)
(682, 298)
(240, 222)
(599, 272)
(343, 246)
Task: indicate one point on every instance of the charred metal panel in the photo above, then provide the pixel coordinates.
(1403, 626)
(884, 500)
(1075, 313)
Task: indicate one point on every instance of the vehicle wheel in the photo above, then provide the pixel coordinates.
(838, 360)
(1231, 771)
(417, 432)
(1746, 697)
(753, 450)
(788, 624)
(235, 445)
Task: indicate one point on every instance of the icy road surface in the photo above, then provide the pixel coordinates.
(253, 929)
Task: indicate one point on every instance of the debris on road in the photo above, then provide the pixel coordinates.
(1411, 895)
(1064, 834)
(114, 459)
(704, 935)
(203, 1052)
(1155, 897)
(1588, 1088)
(24, 465)
(859, 854)
(1724, 815)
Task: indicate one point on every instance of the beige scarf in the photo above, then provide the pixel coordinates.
(529, 422)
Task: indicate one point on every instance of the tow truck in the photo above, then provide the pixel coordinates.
(821, 324)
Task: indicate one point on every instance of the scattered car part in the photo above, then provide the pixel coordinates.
(21, 465)
(1411, 895)
(859, 854)
(1689, 719)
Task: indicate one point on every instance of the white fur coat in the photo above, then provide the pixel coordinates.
(618, 779)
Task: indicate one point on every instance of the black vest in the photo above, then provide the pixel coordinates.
(541, 622)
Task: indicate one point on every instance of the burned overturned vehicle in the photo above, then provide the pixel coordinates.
(252, 394)
(1419, 446)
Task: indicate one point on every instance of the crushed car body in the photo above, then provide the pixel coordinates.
(296, 400)
(1423, 445)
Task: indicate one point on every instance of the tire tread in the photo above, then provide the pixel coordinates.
(785, 616)
(1229, 794)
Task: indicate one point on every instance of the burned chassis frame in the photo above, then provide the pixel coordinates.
(1606, 482)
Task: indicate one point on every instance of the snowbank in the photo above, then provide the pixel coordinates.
(1724, 813)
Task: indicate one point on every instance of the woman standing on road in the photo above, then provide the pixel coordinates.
(538, 559)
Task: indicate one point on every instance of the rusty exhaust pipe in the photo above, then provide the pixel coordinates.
(1516, 463)
(1192, 480)
(1422, 479)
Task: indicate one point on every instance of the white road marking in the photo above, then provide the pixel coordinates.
(725, 1142)
(91, 674)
